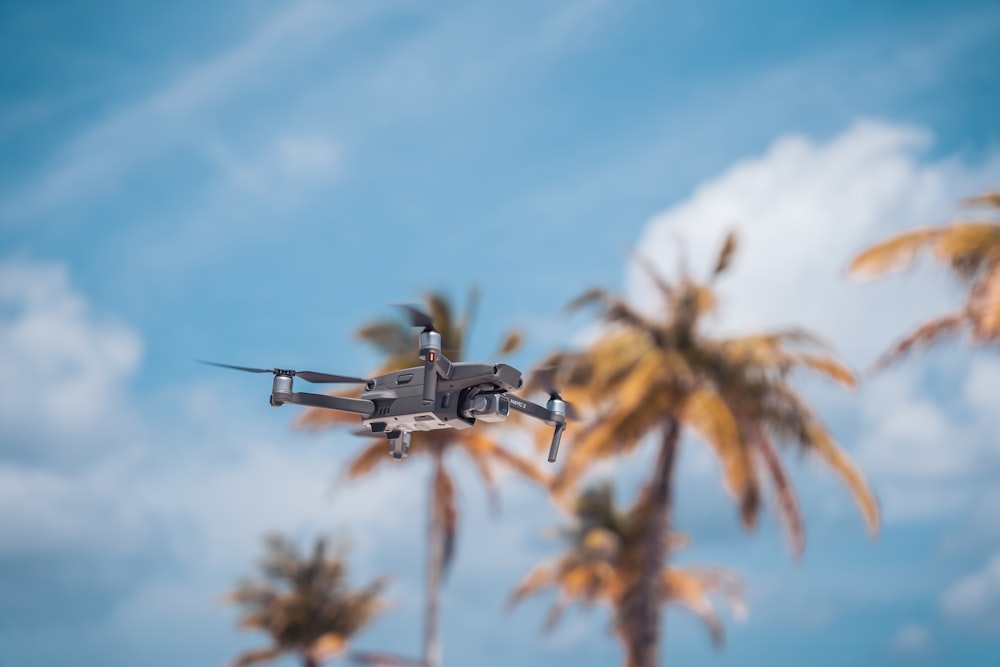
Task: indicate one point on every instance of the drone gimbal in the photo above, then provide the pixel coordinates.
(440, 394)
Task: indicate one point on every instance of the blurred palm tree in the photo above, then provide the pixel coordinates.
(304, 603)
(603, 563)
(972, 249)
(397, 341)
(646, 375)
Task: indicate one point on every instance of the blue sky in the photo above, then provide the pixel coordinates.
(249, 181)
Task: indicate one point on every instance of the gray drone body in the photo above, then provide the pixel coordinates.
(474, 392)
(438, 395)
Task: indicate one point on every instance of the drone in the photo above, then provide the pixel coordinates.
(439, 394)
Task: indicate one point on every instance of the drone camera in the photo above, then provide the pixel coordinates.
(488, 407)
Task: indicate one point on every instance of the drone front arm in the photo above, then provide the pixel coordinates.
(535, 410)
(550, 417)
(356, 405)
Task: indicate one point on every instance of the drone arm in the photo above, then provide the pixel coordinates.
(550, 417)
(534, 410)
(435, 365)
(355, 405)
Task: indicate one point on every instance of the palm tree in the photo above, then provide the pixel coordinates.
(655, 375)
(972, 248)
(603, 564)
(397, 342)
(304, 603)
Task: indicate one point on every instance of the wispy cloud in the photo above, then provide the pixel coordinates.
(177, 113)
(974, 600)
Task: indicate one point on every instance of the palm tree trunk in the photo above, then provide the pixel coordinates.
(643, 633)
(435, 554)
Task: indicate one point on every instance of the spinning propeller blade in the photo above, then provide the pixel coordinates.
(308, 376)
(546, 379)
(417, 317)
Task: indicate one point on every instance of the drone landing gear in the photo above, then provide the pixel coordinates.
(399, 444)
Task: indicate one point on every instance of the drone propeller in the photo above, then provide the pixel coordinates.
(417, 317)
(308, 376)
(430, 348)
(545, 378)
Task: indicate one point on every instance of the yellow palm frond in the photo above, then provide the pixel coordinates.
(831, 368)
(824, 446)
(924, 336)
(708, 414)
(984, 305)
(328, 646)
(726, 254)
(784, 493)
(987, 199)
(369, 458)
(895, 252)
(445, 511)
(689, 590)
(256, 657)
(968, 245)
(542, 576)
(511, 342)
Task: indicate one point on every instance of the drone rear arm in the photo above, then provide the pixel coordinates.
(356, 405)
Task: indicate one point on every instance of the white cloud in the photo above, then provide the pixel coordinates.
(802, 210)
(196, 493)
(911, 640)
(63, 370)
(975, 599)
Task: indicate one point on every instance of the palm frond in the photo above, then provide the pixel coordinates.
(785, 498)
(369, 458)
(540, 577)
(895, 252)
(469, 316)
(511, 342)
(989, 199)
(820, 442)
(328, 645)
(688, 590)
(983, 306)
(726, 254)
(555, 613)
(830, 368)
(924, 336)
(591, 297)
(440, 310)
(708, 414)
(445, 512)
(667, 291)
(390, 337)
(382, 659)
(967, 246)
(257, 656)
